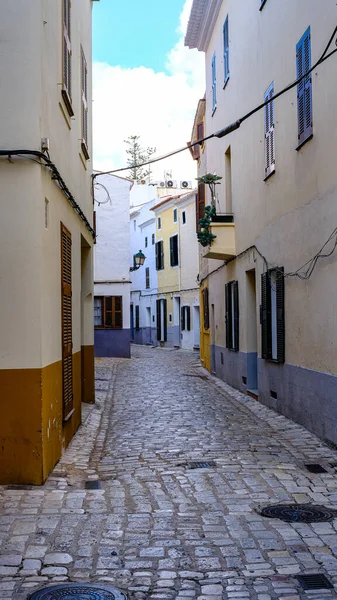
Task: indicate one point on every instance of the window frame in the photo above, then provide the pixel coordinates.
(113, 311)
(232, 316)
(226, 51)
(272, 315)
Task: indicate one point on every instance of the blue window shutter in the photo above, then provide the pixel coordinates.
(304, 88)
(269, 136)
(226, 51)
(213, 83)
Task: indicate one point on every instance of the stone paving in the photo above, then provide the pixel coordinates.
(156, 528)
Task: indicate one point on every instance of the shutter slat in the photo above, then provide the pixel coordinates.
(227, 316)
(265, 316)
(280, 315)
(235, 309)
(66, 320)
(304, 88)
(165, 319)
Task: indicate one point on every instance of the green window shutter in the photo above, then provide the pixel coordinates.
(137, 318)
(280, 315)
(226, 51)
(157, 256)
(182, 318)
(213, 83)
(206, 308)
(304, 88)
(171, 252)
(266, 351)
(235, 345)
(165, 319)
(158, 320)
(188, 318)
(228, 315)
(161, 255)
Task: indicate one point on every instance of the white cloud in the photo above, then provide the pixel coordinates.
(159, 107)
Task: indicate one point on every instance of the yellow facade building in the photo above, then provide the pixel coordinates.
(46, 241)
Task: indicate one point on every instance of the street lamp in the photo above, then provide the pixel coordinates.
(138, 260)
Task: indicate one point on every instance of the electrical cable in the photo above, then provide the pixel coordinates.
(236, 124)
(55, 175)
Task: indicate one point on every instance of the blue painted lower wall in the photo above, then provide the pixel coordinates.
(303, 395)
(112, 343)
(145, 335)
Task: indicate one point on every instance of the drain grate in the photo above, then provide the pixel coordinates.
(314, 581)
(315, 468)
(298, 513)
(201, 465)
(93, 485)
(81, 591)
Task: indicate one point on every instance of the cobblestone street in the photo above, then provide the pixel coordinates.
(156, 528)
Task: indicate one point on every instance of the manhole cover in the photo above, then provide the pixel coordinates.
(300, 513)
(78, 591)
(314, 581)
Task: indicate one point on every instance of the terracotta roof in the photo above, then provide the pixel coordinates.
(168, 198)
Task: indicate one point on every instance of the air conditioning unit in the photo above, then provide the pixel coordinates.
(171, 183)
(162, 184)
(186, 184)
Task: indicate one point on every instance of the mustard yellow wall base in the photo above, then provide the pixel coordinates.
(88, 374)
(205, 344)
(32, 433)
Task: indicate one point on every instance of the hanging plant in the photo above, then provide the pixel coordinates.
(205, 236)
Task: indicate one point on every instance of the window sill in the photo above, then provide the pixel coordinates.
(226, 81)
(67, 102)
(304, 142)
(262, 4)
(270, 174)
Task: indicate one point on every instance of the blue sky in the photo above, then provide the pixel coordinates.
(135, 33)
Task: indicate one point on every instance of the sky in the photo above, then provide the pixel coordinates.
(145, 82)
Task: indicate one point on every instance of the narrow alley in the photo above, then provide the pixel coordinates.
(128, 505)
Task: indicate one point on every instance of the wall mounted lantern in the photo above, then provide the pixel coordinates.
(138, 261)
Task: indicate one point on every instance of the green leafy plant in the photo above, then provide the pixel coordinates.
(205, 236)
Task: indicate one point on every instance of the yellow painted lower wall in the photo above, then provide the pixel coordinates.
(205, 343)
(32, 433)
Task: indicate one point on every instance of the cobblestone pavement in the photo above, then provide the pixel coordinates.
(156, 528)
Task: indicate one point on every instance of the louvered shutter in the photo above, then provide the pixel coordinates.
(67, 46)
(235, 310)
(304, 89)
(171, 251)
(200, 203)
(269, 134)
(206, 308)
(137, 318)
(265, 316)
(188, 318)
(157, 256)
(158, 320)
(228, 315)
(66, 316)
(161, 255)
(226, 50)
(183, 318)
(84, 99)
(165, 319)
(280, 315)
(214, 82)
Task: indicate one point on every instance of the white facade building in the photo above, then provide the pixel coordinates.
(112, 266)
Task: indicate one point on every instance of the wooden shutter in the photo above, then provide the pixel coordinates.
(304, 88)
(206, 308)
(66, 317)
(213, 82)
(226, 50)
(137, 318)
(235, 308)
(183, 318)
(158, 320)
(158, 253)
(188, 318)
(147, 277)
(269, 136)
(266, 351)
(228, 314)
(84, 102)
(165, 319)
(280, 315)
(67, 74)
(200, 203)
(171, 252)
(161, 255)
(118, 312)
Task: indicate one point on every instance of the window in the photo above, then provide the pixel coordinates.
(108, 312)
(175, 215)
(137, 318)
(200, 201)
(66, 83)
(84, 98)
(213, 84)
(205, 303)
(272, 315)
(304, 91)
(161, 320)
(159, 222)
(183, 217)
(269, 138)
(226, 51)
(159, 255)
(153, 238)
(147, 278)
(174, 253)
(185, 318)
(46, 213)
(232, 315)
(146, 242)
